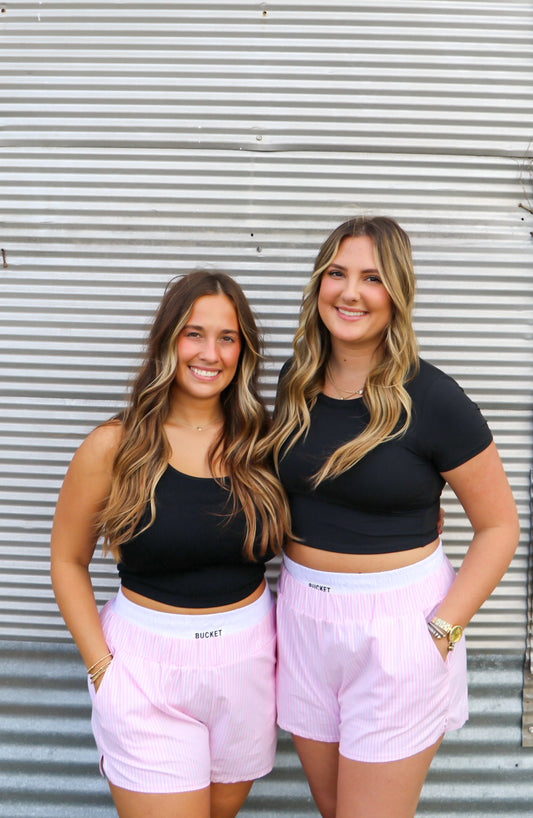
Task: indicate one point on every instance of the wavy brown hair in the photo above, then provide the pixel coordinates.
(385, 395)
(144, 451)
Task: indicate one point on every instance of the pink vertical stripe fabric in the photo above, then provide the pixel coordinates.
(175, 713)
(357, 665)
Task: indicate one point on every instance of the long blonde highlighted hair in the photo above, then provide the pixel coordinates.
(385, 395)
(144, 451)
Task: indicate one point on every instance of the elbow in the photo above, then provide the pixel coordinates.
(510, 534)
(55, 575)
(516, 532)
(513, 528)
(65, 573)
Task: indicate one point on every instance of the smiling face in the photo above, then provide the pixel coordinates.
(208, 348)
(352, 300)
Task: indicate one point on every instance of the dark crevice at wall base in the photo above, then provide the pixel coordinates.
(527, 707)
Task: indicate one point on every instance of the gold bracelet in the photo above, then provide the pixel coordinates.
(100, 672)
(89, 670)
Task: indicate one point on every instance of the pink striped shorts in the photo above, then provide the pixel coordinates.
(188, 699)
(356, 662)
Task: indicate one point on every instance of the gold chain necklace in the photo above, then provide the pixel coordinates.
(347, 395)
(198, 428)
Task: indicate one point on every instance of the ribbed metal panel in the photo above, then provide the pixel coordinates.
(428, 74)
(527, 691)
(141, 140)
(49, 764)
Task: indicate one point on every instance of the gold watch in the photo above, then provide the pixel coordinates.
(441, 628)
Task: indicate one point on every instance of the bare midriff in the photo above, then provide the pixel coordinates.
(154, 605)
(332, 561)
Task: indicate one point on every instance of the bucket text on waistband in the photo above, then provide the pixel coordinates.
(325, 588)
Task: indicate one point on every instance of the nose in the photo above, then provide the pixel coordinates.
(209, 351)
(351, 288)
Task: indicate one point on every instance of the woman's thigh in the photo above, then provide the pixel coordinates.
(375, 790)
(320, 762)
(161, 805)
(215, 801)
(227, 799)
(343, 788)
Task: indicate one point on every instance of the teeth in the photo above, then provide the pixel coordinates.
(204, 373)
(349, 313)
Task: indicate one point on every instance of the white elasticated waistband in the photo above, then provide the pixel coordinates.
(355, 583)
(193, 626)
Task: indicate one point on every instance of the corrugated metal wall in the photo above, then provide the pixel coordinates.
(139, 140)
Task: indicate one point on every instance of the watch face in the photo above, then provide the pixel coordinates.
(455, 634)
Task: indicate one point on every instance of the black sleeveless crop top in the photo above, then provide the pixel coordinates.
(389, 501)
(191, 556)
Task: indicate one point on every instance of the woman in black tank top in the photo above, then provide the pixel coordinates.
(181, 664)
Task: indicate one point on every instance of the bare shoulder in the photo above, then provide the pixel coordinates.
(108, 436)
(84, 491)
(100, 447)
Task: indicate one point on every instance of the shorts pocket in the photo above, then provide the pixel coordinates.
(105, 681)
(431, 646)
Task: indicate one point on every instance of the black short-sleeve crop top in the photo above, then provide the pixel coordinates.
(389, 501)
(191, 556)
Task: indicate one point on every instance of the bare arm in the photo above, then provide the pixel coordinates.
(82, 494)
(484, 492)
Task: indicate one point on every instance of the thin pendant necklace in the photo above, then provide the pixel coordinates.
(198, 428)
(347, 395)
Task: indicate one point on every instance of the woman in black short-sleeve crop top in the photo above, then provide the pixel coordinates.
(371, 664)
(182, 663)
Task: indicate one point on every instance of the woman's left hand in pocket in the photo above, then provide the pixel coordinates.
(442, 646)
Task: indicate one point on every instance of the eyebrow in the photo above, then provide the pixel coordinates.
(335, 266)
(222, 332)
